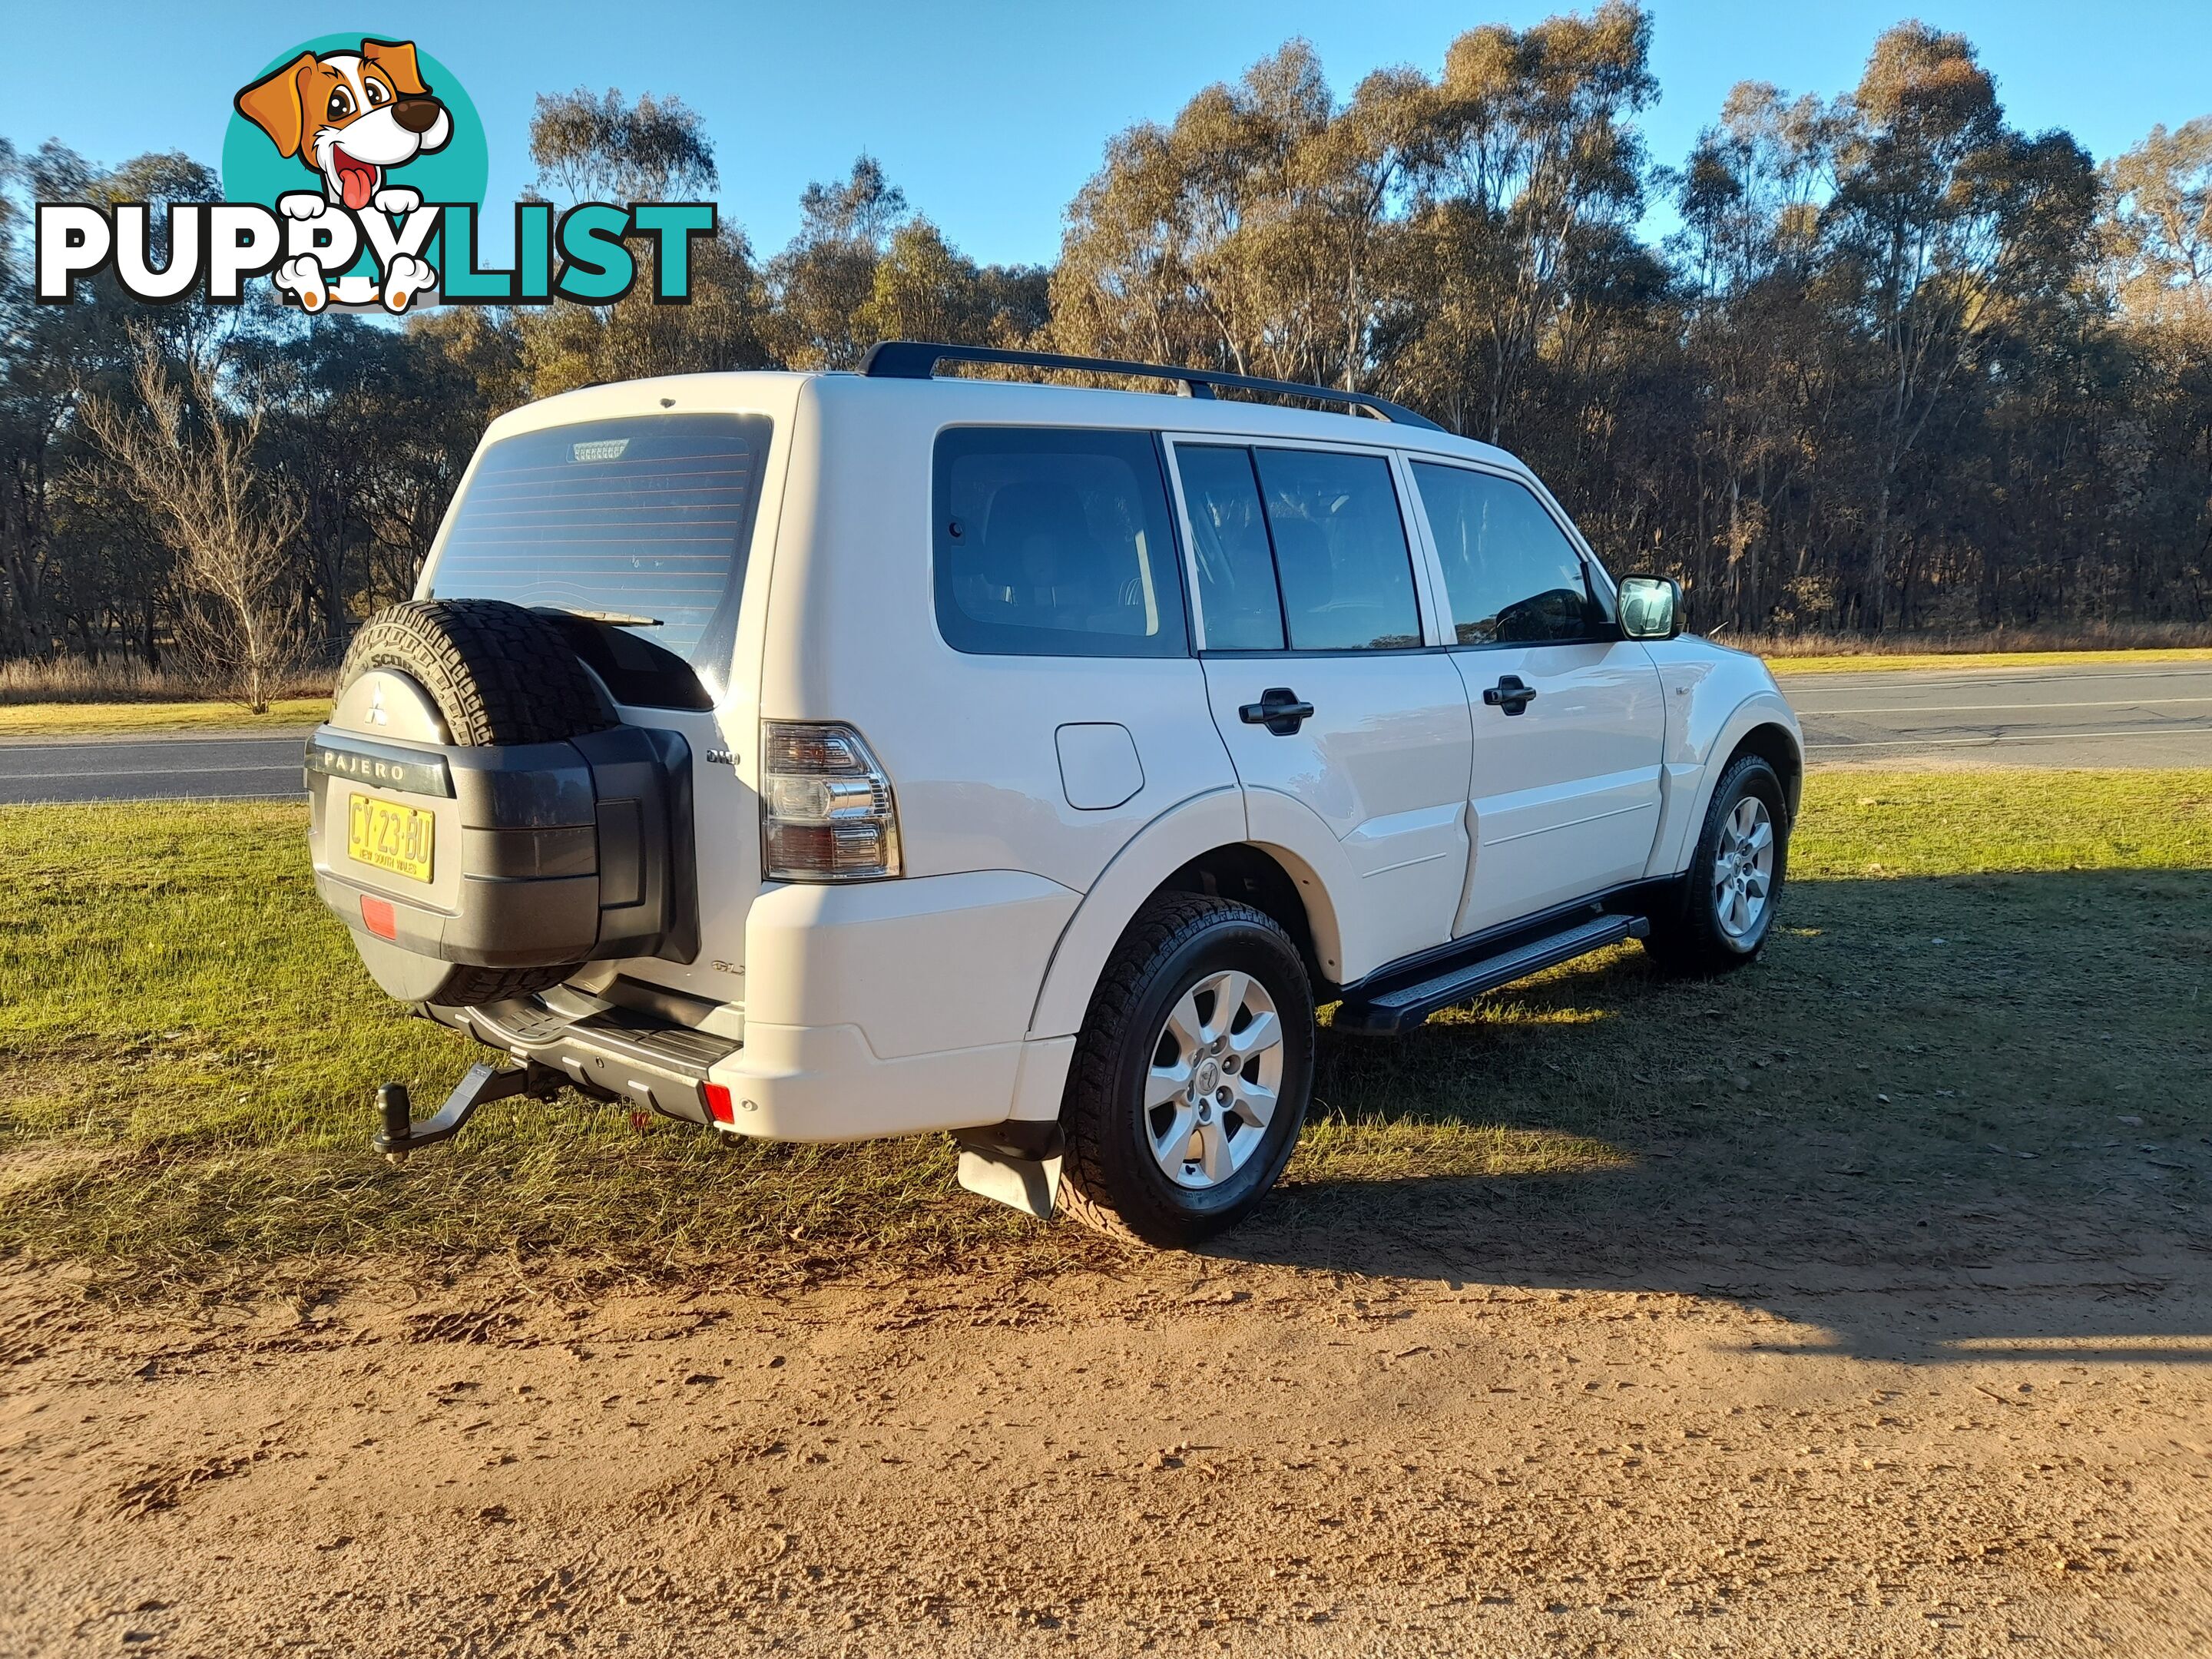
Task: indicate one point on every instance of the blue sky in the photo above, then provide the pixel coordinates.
(992, 114)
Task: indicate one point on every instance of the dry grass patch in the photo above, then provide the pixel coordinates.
(72, 679)
(1785, 662)
(73, 720)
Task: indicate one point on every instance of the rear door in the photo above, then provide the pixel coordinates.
(1569, 721)
(1307, 606)
(645, 522)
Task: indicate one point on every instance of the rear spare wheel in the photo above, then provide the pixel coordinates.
(480, 817)
(495, 672)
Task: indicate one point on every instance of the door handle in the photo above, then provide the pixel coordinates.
(1278, 710)
(1509, 694)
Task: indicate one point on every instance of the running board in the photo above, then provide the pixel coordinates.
(1386, 1014)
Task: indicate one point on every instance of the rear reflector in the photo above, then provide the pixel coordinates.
(376, 914)
(720, 1107)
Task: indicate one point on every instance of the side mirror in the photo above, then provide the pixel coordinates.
(1650, 607)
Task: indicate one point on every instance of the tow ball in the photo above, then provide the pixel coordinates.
(401, 1135)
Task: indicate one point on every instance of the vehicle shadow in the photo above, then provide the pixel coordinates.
(1906, 1131)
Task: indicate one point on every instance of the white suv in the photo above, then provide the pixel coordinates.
(823, 757)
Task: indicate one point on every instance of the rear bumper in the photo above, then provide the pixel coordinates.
(824, 1083)
(786, 1083)
(897, 1007)
(891, 1008)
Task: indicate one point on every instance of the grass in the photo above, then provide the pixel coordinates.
(188, 1052)
(1782, 661)
(41, 720)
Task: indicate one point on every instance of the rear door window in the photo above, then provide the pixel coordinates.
(646, 517)
(1055, 543)
(1341, 551)
(1300, 549)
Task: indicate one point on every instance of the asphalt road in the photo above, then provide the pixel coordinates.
(2070, 714)
(2076, 715)
(152, 768)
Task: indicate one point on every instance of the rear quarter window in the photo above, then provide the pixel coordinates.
(1056, 543)
(646, 517)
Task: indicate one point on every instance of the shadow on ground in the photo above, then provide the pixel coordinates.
(1943, 1116)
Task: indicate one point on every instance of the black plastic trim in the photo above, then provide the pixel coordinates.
(637, 673)
(1609, 635)
(574, 851)
(1649, 898)
(917, 360)
(1389, 1012)
(1326, 650)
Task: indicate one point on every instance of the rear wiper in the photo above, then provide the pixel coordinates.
(617, 618)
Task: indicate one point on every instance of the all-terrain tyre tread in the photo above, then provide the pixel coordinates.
(499, 673)
(1162, 928)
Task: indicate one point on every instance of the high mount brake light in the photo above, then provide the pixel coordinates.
(827, 812)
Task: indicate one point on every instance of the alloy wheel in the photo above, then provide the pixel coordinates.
(1216, 1070)
(1743, 868)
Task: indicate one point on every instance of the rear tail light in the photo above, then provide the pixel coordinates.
(826, 808)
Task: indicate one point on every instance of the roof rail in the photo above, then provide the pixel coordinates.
(917, 360)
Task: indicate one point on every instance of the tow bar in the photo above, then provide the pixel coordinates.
(402, 1135)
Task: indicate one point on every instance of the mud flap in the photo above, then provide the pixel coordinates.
(995, 1163)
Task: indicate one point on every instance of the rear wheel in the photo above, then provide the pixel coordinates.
(1192, 1076)
(1734, 875)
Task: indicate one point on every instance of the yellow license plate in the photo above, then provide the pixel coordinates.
(389, 836)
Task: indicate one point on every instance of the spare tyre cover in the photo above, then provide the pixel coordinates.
(470, 726)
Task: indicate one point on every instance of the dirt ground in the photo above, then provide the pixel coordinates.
(1436, 1428)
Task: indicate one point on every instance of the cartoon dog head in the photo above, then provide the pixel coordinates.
(351, 117)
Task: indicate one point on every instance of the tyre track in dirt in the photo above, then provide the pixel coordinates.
(1173, 1454)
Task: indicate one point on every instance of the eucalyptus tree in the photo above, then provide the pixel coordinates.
(1955, 223)
(1529, 189)
(1751, 255)
(823, 283)
(604, 147)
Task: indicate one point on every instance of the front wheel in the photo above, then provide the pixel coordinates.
(1734, 875)
(1191, 1075)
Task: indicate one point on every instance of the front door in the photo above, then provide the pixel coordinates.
(1320, 679)
(1569, 721)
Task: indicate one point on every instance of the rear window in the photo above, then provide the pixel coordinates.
(646, 518)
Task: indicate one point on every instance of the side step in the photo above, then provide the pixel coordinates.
(1388, 1012)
